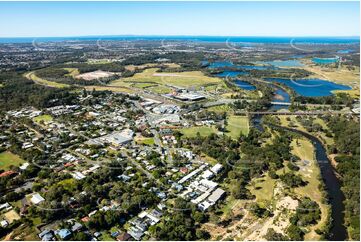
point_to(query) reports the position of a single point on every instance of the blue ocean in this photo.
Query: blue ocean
(234, 39)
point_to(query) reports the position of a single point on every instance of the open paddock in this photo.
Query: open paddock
(190, 80)
(7, 159)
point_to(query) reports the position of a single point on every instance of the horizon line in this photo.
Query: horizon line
(185, 35)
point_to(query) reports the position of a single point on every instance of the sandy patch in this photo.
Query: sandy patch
(11, 216)
(279, 222)
(94, 75)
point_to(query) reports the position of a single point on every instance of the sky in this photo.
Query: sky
(60, 19)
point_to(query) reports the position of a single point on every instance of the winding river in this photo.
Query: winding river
(336, 197)
(333, 186)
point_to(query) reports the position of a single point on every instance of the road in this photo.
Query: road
(139, 167)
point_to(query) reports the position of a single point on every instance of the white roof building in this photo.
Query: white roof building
(24, 166)
(4, 223)
(204, 205)
(216, 168)
(207, 174)
(208, 183)
(200, 198)
(78, 175)
(36, 198)
(216, 195)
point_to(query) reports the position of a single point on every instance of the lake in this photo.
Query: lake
(231, 73)
(324, 61)
(282, 63)
(344, 51)
(220, 64)
(224, 64)
(241, 84)
(311, 87)
(244, 85)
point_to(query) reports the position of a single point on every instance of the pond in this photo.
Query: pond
(311, 87)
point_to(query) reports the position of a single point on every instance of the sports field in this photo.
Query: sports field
(7, 159)
(44, 118)
(202, 130)
(144, 141)
(237, 125)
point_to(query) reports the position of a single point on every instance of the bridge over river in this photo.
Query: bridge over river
(229, 101)
(301, 113)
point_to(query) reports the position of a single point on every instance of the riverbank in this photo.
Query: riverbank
(332, 183)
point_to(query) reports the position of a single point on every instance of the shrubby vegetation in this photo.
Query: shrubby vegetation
(347, 146)
(338, 99)
(292, 180)
(183, 223)
(272, 235)
(17, 92)
(307, 213)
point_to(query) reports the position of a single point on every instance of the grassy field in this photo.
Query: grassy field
(208, 159)
(7, 159)
(190, 79)
(117, 88)
(160, 89)
(262, 188)
(109, 88)
(303, 148)
(236, 125)
(144, 85)
(354, 93)
(220, 109)
(73, 72)
(340, 75)
(203, 131)
(40, 81)
(44, 118)
(141, 67)
(144, 141)
(134, 67)
(292, 122)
